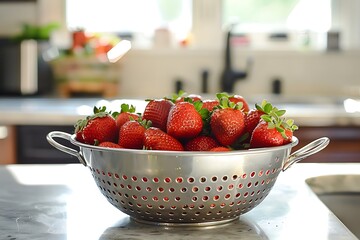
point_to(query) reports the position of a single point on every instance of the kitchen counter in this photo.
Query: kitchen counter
(62, 202)
(53, 111)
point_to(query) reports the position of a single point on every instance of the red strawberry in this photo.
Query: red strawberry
(97, 128)
(210, 104)
(272, 131)
(227, 123)
(109, 145)
(157, 112)
(184, 120)
(131, 134)
(201, 143)
(156, 139)
(237, 99)
(79, 132)
(127, 113)
(220, 149)
(289, 135)
(252, 119)
(193, 97)
(265, 136)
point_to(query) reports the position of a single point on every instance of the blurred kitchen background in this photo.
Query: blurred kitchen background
(298, 51)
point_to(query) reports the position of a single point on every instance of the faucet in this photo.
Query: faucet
(229, 75)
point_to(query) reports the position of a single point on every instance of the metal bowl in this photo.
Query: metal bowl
(189, 188)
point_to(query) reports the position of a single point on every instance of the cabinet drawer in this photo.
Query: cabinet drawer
(34, 148)
(7, 145)
(344, 143)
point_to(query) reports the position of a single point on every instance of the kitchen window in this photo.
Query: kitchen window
(205, 19)
(136, 16)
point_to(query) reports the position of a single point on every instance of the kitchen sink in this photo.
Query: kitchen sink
(341, 194)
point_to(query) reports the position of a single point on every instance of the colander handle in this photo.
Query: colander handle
(310, 149)
(57, 134)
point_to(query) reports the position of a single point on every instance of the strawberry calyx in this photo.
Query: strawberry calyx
(124, 108)
(224, 102)
(273, 116)
(98, 113)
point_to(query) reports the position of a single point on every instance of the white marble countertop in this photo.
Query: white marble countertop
(53, 111)
(62, 202)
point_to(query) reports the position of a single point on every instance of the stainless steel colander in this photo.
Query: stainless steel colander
(190, 188)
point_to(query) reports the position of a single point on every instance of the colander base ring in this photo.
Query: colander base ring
(186, 224)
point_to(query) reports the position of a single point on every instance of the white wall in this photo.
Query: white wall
(152, 74)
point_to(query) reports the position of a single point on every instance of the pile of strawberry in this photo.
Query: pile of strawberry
(188, 123)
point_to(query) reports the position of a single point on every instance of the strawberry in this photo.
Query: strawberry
(210, 104)
(201, 143)
(227, 122)
(157, 112)
(237, 98)
(127, 113)
(253, 117)
(131, 134)
(79, 132)
(220, 149)
(97, 128)
(272, 131)
(192, 97)
(182, 96)
(156, 139)
(184, 120)
(109, 145)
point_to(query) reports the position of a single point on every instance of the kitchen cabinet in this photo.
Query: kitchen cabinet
(7, 144)
(35, 148)
(344, 143)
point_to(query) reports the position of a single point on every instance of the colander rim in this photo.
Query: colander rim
(293, 143)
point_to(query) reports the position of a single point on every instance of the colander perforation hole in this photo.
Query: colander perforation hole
(171, 189)
(160, 189)
(167, 180)
(203, 179)
(252, 174)
(244, 176)
(191, 180)
(195, 189)
(134, 178)
(216, 197)
(183, 190)
(214, 179)
(207, 189)
(249, 184)
(205, 198)
(225, 178)
(179, 180)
